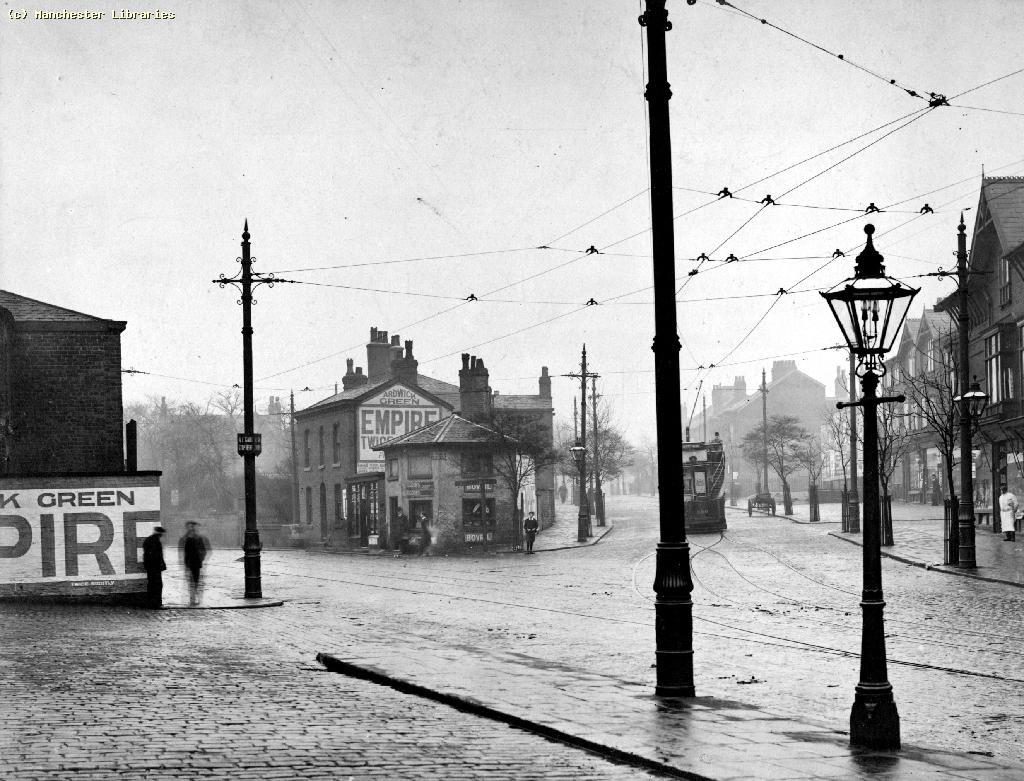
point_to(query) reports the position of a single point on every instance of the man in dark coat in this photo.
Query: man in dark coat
(193, 549)
(153, 563)
(530, 526)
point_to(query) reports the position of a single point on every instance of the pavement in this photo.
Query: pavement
(918, 540)
(698, 738)
(216, 695)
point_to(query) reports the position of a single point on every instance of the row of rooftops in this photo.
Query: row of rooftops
(388, 363)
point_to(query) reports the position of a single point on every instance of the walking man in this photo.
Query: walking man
(530, 526)
(192, 550)
(153, 563)
(1007, 513)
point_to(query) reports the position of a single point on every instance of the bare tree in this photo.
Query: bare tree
(895, 442)
(930, 393)
(837, 440)
(520, 448)
(785, 439)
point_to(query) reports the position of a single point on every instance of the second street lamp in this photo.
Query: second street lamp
(870, 309)
(579, 455)
(970, 405)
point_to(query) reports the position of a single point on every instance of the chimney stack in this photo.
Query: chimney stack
(545, 383)
(405, 368)
(378, 356)
(474, 391)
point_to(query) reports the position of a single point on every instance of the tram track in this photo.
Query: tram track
(745, 634)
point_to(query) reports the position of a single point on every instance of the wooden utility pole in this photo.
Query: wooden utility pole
(583, 529)
(295, 465)
(598, 495)
(853, 521)
(764, 428)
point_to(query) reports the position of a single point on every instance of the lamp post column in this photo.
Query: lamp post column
(251, 545)
(965, 515)
(672, 580)
(874, 720)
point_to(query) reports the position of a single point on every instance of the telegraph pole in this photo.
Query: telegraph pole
(295, 466)
(853, 521)
(965, 516)
(598, 496)
(583, 520)
(764, 428)
(673, 584)
(249, 444)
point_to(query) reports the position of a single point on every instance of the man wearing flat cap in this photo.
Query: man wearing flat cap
(153, 562)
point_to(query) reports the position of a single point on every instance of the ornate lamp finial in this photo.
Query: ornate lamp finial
(245, 231)
(869, 261)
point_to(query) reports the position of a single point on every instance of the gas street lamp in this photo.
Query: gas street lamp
(870, 309)
(970, 405)
(579, 455)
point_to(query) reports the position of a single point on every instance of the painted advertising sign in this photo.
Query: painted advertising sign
(391, 413)
(75, 537)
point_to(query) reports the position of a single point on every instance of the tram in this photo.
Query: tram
(703, 478)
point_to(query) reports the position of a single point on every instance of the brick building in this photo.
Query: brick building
(996, 337)
(60, 389)
(734, 413)
(342, 471)
(73, 519)
(444, 478)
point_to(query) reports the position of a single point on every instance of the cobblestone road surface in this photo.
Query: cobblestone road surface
(104, 693)
(777, 625)
(777, 620)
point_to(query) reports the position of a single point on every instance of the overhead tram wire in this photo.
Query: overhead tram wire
(933, 97)
(913, 115)
(913, 118)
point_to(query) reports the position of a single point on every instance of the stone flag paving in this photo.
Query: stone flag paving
(918, 539)
(698, 738)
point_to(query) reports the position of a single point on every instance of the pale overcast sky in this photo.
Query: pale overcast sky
(352, 135)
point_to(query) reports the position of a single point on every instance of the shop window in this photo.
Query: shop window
(392, 469)
(477, 464)
(321, 446)
(419, 466)
(477, 513)
(336, 443)
(305, 447)
(339, 504)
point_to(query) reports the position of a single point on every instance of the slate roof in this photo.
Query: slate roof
(26, 309)
(443, 390)
(451, 430)
(1004, 197)
(512, 401)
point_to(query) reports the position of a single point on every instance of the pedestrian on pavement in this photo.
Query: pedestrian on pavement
(1007, 513)
(562, 492)
(936, 491)
(193, 548)
(153, 563)
(530, 526)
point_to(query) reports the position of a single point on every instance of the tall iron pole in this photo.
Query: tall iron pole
(764, 427)
(853, 521)
(583, 520)
(672, 580)
(249, 440)
(295, 466)
(251, 544)
(598, 496)
(965, 516)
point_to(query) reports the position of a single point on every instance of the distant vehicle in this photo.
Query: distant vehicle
(703, 477)
(763, 501)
